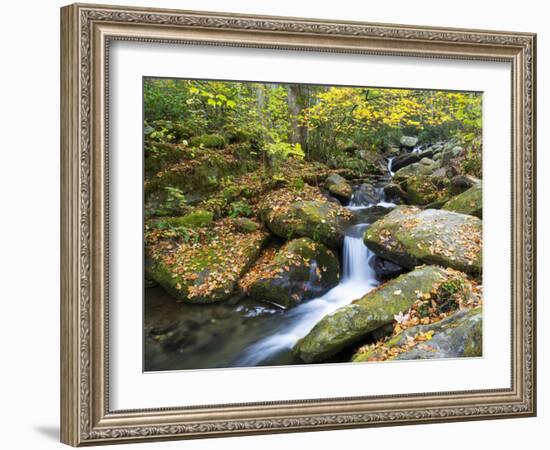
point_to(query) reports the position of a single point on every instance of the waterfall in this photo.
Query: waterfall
(357, 279)
(389, 166)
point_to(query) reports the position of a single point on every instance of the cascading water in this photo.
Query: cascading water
(357, 279)
(389, 166)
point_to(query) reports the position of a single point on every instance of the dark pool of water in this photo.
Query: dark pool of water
(181, 336)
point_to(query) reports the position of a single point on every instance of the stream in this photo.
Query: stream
(243, 333)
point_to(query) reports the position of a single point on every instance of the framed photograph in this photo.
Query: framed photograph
(276, 224)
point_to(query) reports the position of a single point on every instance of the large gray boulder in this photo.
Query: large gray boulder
(409, 236)
(376, 309)
(458, 335)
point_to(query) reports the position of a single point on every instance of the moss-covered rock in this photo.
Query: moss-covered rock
(301, 269)
(408, 141)
(195, 219)
(338, 186)
(197, 173)
(319, 220)
(425, 166)
(208, 141)
(208, 270)
(425, 189)
(409, 236)
(353, 322)
(458, 335)
(469, 202)
(245, 225)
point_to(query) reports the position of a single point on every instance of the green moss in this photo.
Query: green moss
(469, 202)
(408, 236)
(376, 309)
(424, 189)
(208, 141)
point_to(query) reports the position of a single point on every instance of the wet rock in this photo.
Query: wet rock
(299, 270)
(409, 236)
(469, 202)
(384, 269)
(366, 194)
(404, 160)
(376, 309)
(395, 192)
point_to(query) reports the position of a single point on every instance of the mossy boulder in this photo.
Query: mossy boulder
(425, 166)
(409, 236)
(319, 220)
(208, 141)
(301, 269)
(196, 174)
(469, 202)
(245, 225)
(408, 141)
(195, 219)
(458, 335)
(338, 186)
(355, 321)
(208, 270)
(425, 189)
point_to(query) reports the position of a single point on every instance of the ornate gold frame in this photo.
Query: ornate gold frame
(86, 31)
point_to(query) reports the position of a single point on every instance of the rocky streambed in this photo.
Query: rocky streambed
(346, 266)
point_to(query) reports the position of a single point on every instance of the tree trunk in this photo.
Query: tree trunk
(298, 100)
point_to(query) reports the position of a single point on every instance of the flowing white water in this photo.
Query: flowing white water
(357, 279)
(417, 149)
(389, 166)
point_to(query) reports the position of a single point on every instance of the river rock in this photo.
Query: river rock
(204, 272)
(384, 269)
(404, 160)
(338, 186)
(409, 236)
(458, 335)
(461, 183)
(447, 156)
(408, 141)
(469, 202)
(301, 269)
(366, 194)
(425, 189)
(394, 192)
(319, 220)
(425, 166)
(355, 321)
